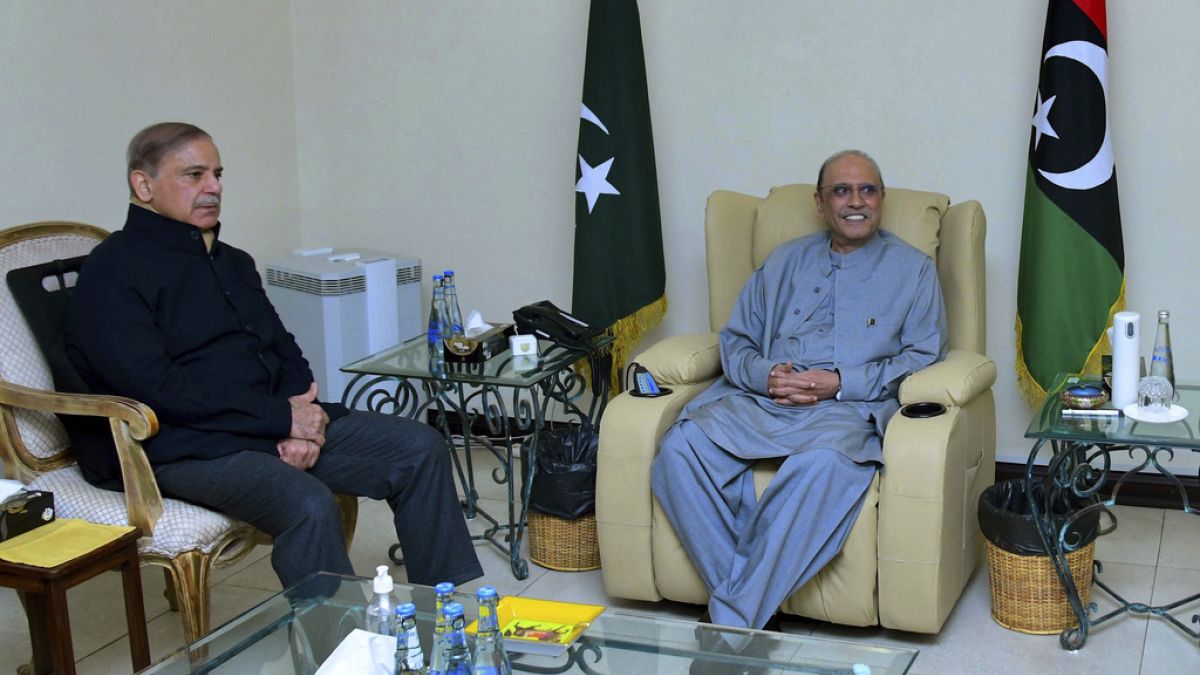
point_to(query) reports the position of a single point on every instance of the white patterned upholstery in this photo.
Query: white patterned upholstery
(182, 526)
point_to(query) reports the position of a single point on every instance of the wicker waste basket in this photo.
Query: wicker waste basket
(562, 501)
(1026, 593)
(564, 545)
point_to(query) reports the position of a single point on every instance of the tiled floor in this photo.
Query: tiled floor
(1153, 556)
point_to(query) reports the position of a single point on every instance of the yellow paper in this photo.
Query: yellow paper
(55, 543)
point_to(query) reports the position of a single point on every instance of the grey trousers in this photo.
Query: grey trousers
(366, 454)
(753, 553)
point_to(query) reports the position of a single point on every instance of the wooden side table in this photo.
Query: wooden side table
(43, 591)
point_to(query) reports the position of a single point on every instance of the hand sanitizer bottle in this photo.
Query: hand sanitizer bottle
(381, 610)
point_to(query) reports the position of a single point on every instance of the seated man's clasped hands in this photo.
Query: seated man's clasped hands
(788, 386)
(813, 356)
(301, 448)
(168, 313)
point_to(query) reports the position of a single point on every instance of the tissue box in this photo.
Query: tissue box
(479, 348)
(24, 511)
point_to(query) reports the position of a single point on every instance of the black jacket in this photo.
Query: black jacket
(156, 317)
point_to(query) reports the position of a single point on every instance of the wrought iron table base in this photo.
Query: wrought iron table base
(516, 420)
(1070, 472)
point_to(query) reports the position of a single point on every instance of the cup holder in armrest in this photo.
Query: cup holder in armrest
(923, 409)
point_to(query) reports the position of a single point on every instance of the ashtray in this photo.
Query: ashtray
(1083, 396)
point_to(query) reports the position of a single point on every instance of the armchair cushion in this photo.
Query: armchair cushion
(956, 380)
(789, 212)
(42, 432)
(43, 293)
(683, 359)
(181, 527)
(44, 306)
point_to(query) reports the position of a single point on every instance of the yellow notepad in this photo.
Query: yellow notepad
(55, 543)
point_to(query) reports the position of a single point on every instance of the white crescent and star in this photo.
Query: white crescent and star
(593, 180)
(1097, 170)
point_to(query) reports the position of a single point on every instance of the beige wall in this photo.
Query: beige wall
(446, 129)
(78, 79)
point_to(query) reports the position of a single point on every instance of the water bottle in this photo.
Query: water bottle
(381, 610)
(455, 653)
(453, 313)
(437, 655)
(437, 329)
(1161, 363)
(410, 660)
(490, 657)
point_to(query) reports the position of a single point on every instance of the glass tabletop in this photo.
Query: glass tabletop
(294, 631)
(1051, 424)
(411, 360)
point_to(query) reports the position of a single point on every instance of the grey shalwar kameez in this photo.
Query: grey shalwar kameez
(875, 315)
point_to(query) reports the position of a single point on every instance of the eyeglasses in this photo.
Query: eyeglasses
(866, 191)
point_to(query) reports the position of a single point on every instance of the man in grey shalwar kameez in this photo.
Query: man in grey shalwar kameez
(820, 339)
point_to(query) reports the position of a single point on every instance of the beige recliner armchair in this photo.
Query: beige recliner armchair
(916, 540)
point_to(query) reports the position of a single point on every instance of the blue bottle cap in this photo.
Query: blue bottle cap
(444, 588)
(452, 610)
(485, 593)
(449, 273)
(437, 277)
(406, 610)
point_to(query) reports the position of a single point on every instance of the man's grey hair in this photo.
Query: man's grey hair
(849, 153)
(150, 145)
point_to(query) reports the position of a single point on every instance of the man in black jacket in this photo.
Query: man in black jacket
(166, 313)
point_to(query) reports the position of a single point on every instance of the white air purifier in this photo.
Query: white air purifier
(343, 304)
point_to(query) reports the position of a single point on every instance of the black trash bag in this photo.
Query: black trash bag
(1006, 518)
(565, 482)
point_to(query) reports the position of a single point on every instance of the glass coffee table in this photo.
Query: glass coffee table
(286, 634)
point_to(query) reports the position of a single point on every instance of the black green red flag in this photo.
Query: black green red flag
(1072, 274)
(620, 278)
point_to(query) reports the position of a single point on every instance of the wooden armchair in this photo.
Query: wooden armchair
(188, 541)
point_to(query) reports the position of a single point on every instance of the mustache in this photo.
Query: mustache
(208, 200)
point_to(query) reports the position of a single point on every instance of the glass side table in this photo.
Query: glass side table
(1079, 466)
(511, 398)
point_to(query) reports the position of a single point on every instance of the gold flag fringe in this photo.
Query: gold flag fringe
(628, 332)
(1031, 391)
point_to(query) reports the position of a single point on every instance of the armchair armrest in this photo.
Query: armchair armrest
(934, 470)
(142, 421)
(130, 423)
(954, 381)
(684, 359)
(629, 436)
